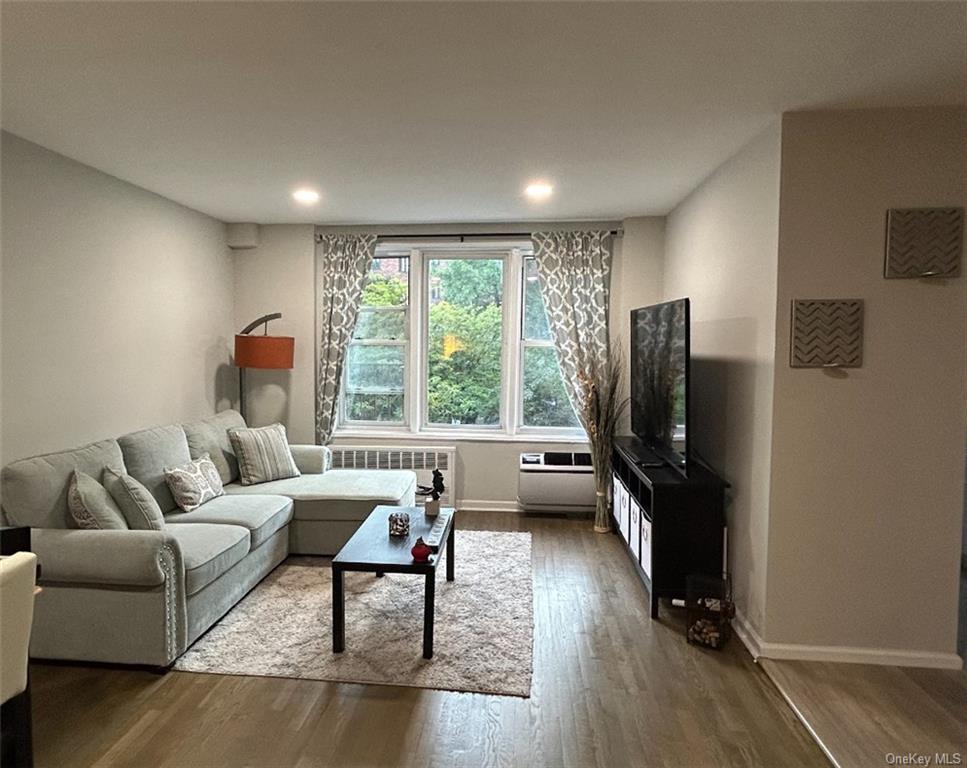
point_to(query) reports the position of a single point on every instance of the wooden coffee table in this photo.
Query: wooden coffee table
(372, 550)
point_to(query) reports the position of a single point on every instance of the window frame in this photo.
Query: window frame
(504, 418)
(416, 412)
(342, 417)
(525, 344)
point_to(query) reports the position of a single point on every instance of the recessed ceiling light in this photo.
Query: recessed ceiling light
(306, 196)
(539, 190)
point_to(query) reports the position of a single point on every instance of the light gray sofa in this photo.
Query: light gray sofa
(143, 597)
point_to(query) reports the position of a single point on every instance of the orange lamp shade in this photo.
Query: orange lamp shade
(264, 351)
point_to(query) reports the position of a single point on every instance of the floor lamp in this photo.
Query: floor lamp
(274, 352)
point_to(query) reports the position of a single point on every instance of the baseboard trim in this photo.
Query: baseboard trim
(487, 505)
(747, 634)
(851, 655)
(761, 649)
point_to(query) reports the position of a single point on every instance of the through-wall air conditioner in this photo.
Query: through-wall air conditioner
(556, 482)
(421, 460)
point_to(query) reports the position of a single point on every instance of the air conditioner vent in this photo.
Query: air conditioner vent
(556, 482)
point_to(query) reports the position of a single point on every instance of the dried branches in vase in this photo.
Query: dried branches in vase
(600, 412)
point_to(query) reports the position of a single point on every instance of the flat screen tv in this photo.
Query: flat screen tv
(659, 380)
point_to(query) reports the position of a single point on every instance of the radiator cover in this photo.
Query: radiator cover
(422, 460)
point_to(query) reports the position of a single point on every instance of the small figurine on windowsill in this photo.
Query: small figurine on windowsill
(432, 494)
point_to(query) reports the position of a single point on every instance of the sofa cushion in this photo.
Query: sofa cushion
(148, 452)
(261, 515)
(139, 507)
(211, 436)
(208, 551)
(35, 489)
(339, 494)
(91, 505)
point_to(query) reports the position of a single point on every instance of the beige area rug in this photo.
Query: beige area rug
(483, 635)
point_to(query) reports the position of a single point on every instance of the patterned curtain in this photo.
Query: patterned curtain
(574, 269)
(342, 263)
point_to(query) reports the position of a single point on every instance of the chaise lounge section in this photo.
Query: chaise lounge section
(329, 504)
(143, 597)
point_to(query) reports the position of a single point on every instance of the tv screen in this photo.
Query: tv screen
(659, 379)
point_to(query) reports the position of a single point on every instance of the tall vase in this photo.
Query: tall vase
(602, 507)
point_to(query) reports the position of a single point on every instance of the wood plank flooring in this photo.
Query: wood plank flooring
(611, 688)
(860, 713)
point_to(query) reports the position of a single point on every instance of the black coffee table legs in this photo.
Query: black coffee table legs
(338, 612)
(339, 609)
(429, 596)
(449, 553)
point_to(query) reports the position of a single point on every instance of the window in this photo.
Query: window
(374, 388)
(471, 351)
(464, 341)
(544, 400)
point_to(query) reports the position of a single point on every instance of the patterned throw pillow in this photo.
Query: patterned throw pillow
(194, 483)
(139, 507)
(263, 454)
(91, 505)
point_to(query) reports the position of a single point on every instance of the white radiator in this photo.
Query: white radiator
(421, 460)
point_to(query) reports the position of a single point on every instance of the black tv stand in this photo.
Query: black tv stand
(672, 526)
(643, 456)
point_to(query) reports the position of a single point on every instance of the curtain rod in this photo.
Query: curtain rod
(464, 235)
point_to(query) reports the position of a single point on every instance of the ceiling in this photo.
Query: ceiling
(440, 112)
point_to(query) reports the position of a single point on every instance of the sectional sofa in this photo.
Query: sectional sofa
(143, 597)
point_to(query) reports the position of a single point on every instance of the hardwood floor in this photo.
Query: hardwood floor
(611, 688)
(860, 713)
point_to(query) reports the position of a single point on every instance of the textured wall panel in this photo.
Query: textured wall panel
(827, 333)
(924, 242)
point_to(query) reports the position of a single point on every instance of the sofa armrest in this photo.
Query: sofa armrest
(312, 459)
(116, 558)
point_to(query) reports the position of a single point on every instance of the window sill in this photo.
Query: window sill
(444, 436)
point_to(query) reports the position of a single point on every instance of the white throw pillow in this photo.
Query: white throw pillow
(194, 483)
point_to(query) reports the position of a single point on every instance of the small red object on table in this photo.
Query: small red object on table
(421, 551)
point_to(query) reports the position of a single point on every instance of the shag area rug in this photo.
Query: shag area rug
(483, 633)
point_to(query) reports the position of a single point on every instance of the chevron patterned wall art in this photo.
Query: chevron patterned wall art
(924, 242)
(827, 333)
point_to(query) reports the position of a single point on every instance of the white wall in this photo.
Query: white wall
(635, 282)
(278, 276)
(720, 251)
(1, 307)
(867, 465)
(117, 305)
